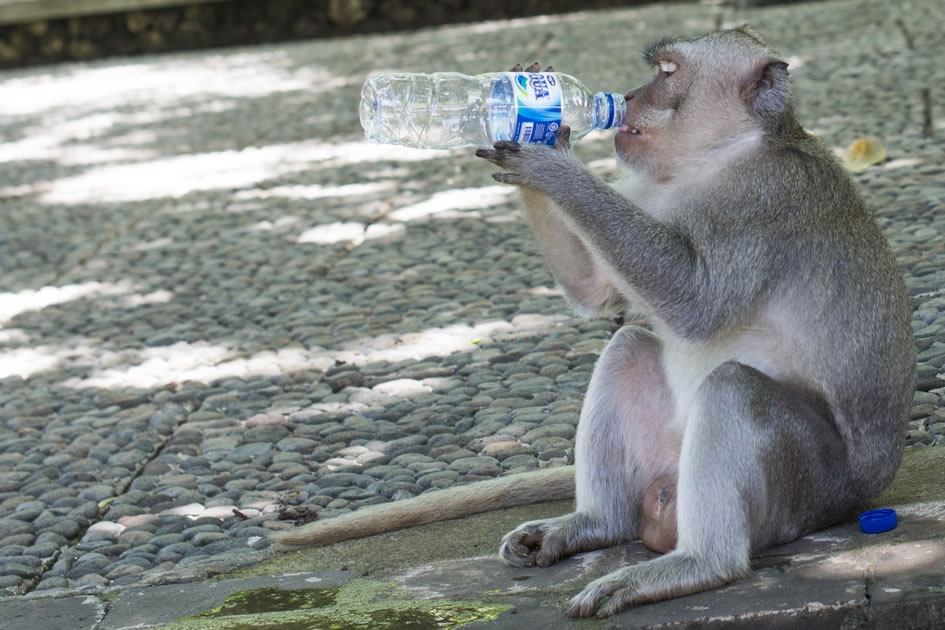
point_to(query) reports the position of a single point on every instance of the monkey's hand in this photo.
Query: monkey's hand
(534, 166)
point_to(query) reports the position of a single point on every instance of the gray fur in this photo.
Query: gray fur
(784, 363)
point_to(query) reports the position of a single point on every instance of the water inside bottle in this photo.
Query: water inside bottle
(501, 105)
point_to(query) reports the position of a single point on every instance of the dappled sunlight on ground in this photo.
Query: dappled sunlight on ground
(450, 200)
(315, 191)
(206, 362)
(178, 175)
(174, 176)
(334, 233)
(906, 558)
(12, 304)
(165, 81)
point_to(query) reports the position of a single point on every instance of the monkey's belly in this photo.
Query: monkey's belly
(658, 530)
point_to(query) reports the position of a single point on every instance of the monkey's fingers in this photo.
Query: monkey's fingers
(563, 140)
(502, 147)
(535, 67)
(507, 145)
(508, 178)
(500, 154)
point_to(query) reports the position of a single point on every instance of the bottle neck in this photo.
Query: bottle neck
(610, 110)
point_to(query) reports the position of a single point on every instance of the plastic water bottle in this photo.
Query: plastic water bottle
(447, 110)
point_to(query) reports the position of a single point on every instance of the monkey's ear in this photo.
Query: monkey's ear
(766, 91)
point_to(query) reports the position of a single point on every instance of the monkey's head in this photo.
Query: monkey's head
(723, 89)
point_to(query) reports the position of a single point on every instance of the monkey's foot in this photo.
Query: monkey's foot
(542, 543)
(673, 575)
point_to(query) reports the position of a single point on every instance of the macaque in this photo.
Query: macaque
(769, 397)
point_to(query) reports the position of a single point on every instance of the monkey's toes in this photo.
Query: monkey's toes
(520, 548)
(619, 601)
(584, 604)
(522, 561)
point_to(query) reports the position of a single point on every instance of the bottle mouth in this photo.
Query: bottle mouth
(620, 110)
(610, 110)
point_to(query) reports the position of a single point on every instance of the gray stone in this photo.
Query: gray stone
(90, 579)
(98, 492)
(477, 465)
(164, 540)
(44, 550)
(549, 430)
(253, 449)
(10, 581)
(520, 461)
(65, 527)
(206, 537)
(51, 582)
(133, 537)
(19, 570)
(296, 444)
(190, 532)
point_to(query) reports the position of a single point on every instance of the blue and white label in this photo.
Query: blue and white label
(538, 107)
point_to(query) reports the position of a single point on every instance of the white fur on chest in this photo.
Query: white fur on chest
(655, 199)
(688, 364)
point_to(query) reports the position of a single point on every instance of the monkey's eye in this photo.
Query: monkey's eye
(667, 67)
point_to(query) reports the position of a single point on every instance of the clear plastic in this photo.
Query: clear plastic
(448, 110)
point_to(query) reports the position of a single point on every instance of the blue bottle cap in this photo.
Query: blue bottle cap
(877, 521)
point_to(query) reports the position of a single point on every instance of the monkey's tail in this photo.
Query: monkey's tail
(548, 484)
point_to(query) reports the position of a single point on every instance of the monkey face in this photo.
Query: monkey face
(709, 93)
(651, 110)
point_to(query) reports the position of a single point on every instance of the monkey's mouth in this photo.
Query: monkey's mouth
(630, 129)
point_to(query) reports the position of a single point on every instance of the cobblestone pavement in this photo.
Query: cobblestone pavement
(222, 312)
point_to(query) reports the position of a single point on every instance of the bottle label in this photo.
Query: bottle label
(538, 104)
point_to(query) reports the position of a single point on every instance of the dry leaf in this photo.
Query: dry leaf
(863, 153)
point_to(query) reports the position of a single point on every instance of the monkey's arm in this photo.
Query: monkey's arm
(654, 260)
(584, 279)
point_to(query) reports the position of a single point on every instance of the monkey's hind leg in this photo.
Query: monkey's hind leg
(622, 446)
(759, 466)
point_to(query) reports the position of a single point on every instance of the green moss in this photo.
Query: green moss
(918, 479)
(109, 598)
(272, 599)
(360, 604)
